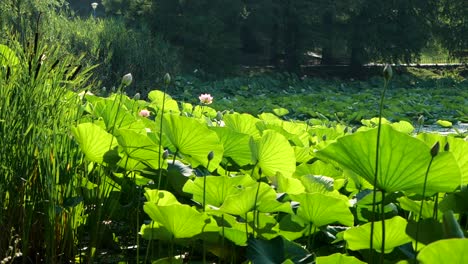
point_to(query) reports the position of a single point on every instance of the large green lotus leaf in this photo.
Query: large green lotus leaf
(193, 140)
(445, 251)
(157, 98)
(265, 224)
(457, 146)
(302, 154)
(139, 147)
(203, 110)
(414, 207)
(244, 201)
(395, 235)
(274, 154)
(154, 231)
(231, 229)
(116, 115)
(403, 161)
(97, 145)
(293, 138)
(338, 258)
(242, 123)
(160, 197)
(317, 168)
(321, 209)
(317, 183)
(235, 144)
(181, 220)
(290, 185)
(218, 188)
(130, 164)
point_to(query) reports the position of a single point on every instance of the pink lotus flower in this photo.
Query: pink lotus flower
(205, 98)
(144, 113)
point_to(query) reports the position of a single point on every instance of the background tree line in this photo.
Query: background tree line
(217, 36)
(224, 33)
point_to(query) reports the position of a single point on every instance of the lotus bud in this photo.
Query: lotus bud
(165, 154)
(127, 79)
(219, 116)
(387, 72)
(144, 113)
(137, 96)
(210, 155)
(447, 147)
(435, 149)
(167, 79)
(104, 89)
(421, 120)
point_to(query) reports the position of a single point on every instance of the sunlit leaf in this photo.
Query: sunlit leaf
(156, 97)
(403, 161)
(180, 220)
(235, 144)
(193, 140)
(97, 145)
(218, 188)
(139, 147)
(338, 258)
(242, 123)
(274, 154)
(395, 235)
(321, 209)
(457, 146)
(244, 201)
(445, 251)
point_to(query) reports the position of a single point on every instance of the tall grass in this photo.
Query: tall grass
(38, 156)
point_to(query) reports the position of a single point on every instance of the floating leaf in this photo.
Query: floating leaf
(395, 235)
(444, 123)
(281, 111)
(403, 161)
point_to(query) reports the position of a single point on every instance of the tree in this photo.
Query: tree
(452, 27)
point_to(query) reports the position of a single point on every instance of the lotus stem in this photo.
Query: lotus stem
(166, 84)
(387, 76)
(434, 152)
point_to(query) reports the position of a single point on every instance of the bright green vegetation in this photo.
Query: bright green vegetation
(279, 168)
(92, 178)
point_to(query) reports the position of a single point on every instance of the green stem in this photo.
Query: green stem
(204, 186)
(436, 207)
(422, 203)
(377, 158)
(160, 136)
(382, 212)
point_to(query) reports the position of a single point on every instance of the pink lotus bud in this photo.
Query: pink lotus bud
(144, 113)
